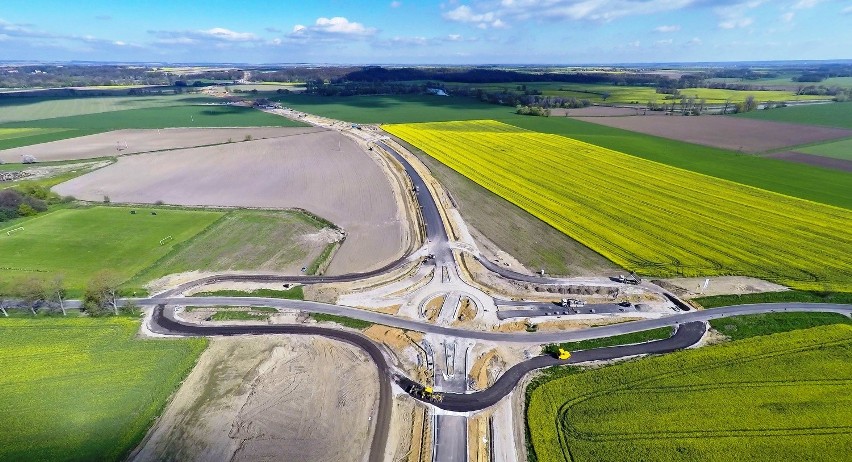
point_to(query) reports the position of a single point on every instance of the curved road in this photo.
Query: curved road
(512, 337)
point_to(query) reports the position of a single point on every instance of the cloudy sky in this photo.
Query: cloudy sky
(424, 31)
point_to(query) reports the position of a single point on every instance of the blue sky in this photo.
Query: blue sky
(427, 32)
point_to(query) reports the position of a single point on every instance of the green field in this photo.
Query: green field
(166, 116)
(395, 109)
(82, 389)
(80, 242)
(642, 95)
(242, 240)
(830, 115)
(838, 149)
(646, 216)
(755, 325)
(624, 339)
(29, 109)
(781, 397)
(775, 297)
(806, 182)
(294, 293)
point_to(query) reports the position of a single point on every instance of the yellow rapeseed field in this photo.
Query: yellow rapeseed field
(645, 216)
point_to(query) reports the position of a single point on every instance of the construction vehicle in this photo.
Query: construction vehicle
(425, 393)
(564, 354)
(572, 303)
(632, 279)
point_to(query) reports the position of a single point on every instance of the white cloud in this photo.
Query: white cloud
(228, 35)
(664, 42)
(331, 28)
(695, 41)
(806, 4)
(847, 10)
(788, 16)
(485, 13)
(395, 4)
(666, 29)
(735, 15)
(215, 35)
(484, 20)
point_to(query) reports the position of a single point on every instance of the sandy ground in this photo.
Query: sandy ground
(246, 400)
(123, 142)
(39, 172)
(810, 159)
(722, 285)
(323, 172)
(724, 132)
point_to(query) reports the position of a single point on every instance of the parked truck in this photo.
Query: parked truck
(572, 303)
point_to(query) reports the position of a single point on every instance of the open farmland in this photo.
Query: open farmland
(724, 132)
(780, 397)
(186, 116)
(123, 142)
(30, 109)
(80, 389)
(260, 240)
(830, 115)
(322, 172)
(78, 243)
(395, 109)
(645, 216)
(797, 180)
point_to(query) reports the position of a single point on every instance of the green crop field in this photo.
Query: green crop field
(780, 397)
(236, 242)
(646, 216)
(42, 130)
(838, 149)
(82, 389)
(80, 242)
(395, 109)
(28, 109)
(830, 115)
(798, 180)
(642, 95)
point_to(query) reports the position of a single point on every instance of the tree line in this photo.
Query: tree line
(49, 295)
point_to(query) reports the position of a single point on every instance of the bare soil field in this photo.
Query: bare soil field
(596, 111)
(322, 172)
(270, 398)
(736, 134)
(123, 142)
(722, 285)
(810, 159)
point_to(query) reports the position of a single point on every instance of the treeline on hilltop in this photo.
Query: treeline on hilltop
(62, 76)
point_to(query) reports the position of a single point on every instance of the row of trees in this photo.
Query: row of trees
(37, 293)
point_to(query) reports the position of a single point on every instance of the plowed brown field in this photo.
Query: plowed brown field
(122, 142)
(732, 133)
(322, 172)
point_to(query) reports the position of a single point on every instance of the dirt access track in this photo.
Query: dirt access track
(294, 398)
(123, 142)
(724, 132)
(323, 172)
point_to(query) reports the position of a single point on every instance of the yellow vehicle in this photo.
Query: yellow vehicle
(564, 354)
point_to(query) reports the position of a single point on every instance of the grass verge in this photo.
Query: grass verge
(624, 339)
(342, 320)
(295, 293)
(803, 296)
(755, 325)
